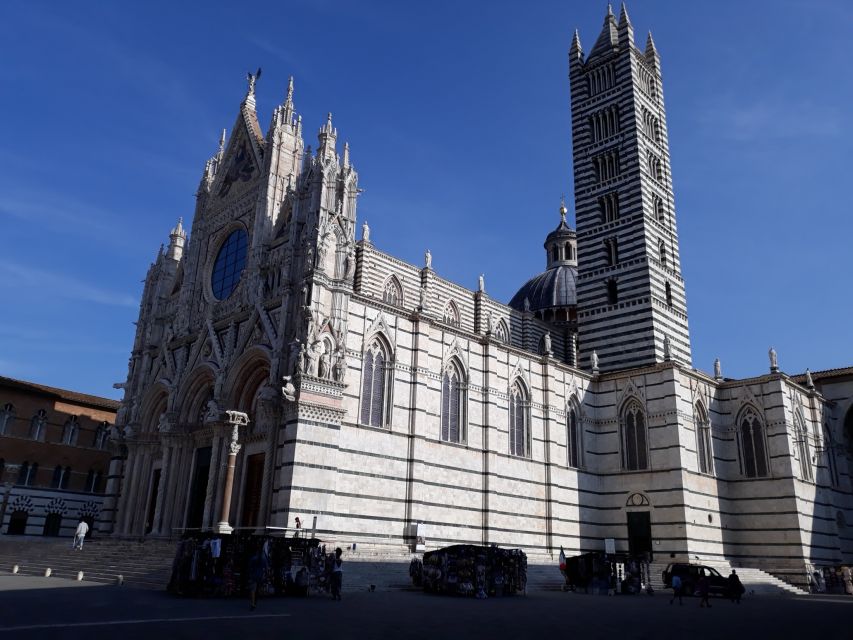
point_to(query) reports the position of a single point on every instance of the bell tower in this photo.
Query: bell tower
(631, 297)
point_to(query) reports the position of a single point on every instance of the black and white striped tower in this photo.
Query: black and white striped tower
(630, 290)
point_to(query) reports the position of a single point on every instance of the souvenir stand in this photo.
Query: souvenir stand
(212, 565)
(603, 573)
(470, 570)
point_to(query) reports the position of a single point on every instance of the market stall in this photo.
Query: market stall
(470, 570)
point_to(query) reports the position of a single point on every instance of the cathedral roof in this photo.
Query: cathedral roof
(555, 287)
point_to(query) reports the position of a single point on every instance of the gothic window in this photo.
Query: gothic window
(573, 436)
(662, 253)
(657, 205)
(101, 434)
(606, 166)
(604, 124)
(611, 248)
(802, 439)
(38, 425)
(653, 165)
(375, 383)
(27, 474)
(635, 456)
(704, 453)
(608, 206)
(519, 421)
(668, 291)
(70, 431)
(647, 82)
(601, 79)
(612, 292)
(7, 418)
(453, 404)
(393, 292)
(829, 448)
(451, 314)
(229, 264)
(502, 332)
(753, 451)
(650, 125)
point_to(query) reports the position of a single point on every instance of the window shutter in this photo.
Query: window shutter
(366, 387)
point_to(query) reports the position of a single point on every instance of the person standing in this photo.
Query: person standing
(704, 590)
(676, 589)
(337, 574)
(735, 587)
(257, 571)
(80, 535)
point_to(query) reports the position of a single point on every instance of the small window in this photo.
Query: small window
(451, 314)
(519, 421)
(70, 431)
(573, 438)
(393, 292)
(662, 253)
(668, 295)
(38, 425)
(555, 254)
(7, 418)
(611, 249)
(612, 293)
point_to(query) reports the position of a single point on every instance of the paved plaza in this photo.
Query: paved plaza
(45, 607)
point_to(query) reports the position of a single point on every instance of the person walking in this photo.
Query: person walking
(704, 590)
(337, 574)
(676, 589)
(80, 535)
(257, 571)
(735, 588)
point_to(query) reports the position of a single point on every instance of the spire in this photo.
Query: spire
(288, 102)
(576, 50)
(346, 154)
(563, 210)
(651, 50)
(608, 39)
(327, 136)
(623, 16)
(177, 237)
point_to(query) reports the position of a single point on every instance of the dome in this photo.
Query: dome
(555, 287)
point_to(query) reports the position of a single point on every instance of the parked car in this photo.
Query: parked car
(690, 574)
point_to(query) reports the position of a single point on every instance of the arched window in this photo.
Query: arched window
(753, 449)
(451, 314)
(611, 249)
(7, 418)
(668, 291)
(393, 292)
(70, 431)
(38, 425)
(829, 448)
(453, 404)
(635, 456)
(662, 253)
(704, 452)
(101, 434)
(519, 421)
(573, 436)
(27, 474)
(802, 439)
(57, 477)
(502, 332)
(375, 386)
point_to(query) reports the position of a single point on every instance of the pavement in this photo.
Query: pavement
(32, 607)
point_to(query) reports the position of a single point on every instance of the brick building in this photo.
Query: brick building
(53, 457)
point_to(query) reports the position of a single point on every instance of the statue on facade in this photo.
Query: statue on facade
(809, 380)
(252, 78)
(718, 370)
(164, 425)
(490, 323)
(427, 260)
(340, 366)
(213, 411)
(526, 303)
(481, 283)
(288, 390)
(365, 232)
(667, 348)
(774, 362)
(325, 366)
(422, 303)
(594, 360)
(349, 263)
(546, 343)
(314, 352)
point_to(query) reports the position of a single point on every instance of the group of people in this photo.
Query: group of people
(734, 589)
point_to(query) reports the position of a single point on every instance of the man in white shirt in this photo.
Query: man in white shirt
(80, 535)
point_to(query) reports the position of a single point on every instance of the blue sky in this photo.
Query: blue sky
(458, 119)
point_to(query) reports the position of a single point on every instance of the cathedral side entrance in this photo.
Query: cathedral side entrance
(198, 488)
(252, 490)
(639, 533)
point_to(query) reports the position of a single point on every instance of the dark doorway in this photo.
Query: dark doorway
(17, 523)
(52, 524)
(639, 533)
(198, 488)
(152, 501)
(90, 520)
(252, 490)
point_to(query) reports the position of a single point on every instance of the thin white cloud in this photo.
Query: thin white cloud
(16, 276)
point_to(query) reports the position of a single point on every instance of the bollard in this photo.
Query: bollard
(119, 580)
(79, 576)
(47, 572)
(15, 569)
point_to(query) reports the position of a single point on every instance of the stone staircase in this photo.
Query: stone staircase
(755, 581)
(145, 564)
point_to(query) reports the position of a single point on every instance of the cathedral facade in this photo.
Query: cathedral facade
(283, 368)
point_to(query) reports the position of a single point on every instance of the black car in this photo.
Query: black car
(690, 574)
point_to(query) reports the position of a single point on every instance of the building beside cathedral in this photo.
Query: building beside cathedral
(374, 395)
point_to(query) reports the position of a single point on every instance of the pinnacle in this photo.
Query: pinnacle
(650, 45)
(576, 42)
(623, 16)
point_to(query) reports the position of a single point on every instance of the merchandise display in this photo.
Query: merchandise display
(470, 570)
(602, 573)
(208, 564)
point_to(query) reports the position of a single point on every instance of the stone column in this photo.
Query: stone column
(235, 419)
(115, 474)
(162, 488)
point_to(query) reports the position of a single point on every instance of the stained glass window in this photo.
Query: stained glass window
(229, 264)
